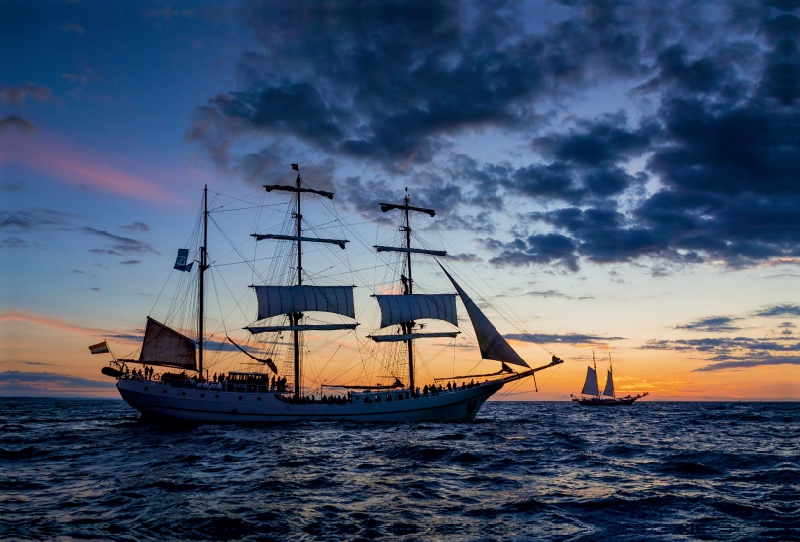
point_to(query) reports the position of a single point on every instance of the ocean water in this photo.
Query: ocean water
(94, 470)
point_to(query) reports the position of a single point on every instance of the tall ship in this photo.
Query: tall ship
(263, 371)
(591, 396)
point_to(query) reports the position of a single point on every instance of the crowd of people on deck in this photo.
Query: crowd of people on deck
(324, 400)
(145, 373)
(221, 381)
(433, 389)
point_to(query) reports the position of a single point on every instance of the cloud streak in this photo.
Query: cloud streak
(119, 244)
(50, 322)
(568, 338)
(69, 165)
(20, 383)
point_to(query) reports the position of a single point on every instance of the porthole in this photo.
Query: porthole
(146, 388)
(240, 397)
(183, 393)
(202, 395)
(165, 391)
(259, 398)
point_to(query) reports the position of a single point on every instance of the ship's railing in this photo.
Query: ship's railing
(253, 388)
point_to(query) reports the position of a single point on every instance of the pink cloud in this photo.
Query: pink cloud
(52, 323)
(44, 154)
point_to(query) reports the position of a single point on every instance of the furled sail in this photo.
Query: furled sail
(609, 391)
(396, 309)
(275, 300)
(590, 386)
(412, 336)
(166, 347)
(308, 327)
(492, 344)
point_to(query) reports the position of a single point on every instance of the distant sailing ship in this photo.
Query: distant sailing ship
(260, 396)
(609, 397)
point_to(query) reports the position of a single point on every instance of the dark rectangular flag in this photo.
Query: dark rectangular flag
(180, 262)
(99, 348)
(296, 168)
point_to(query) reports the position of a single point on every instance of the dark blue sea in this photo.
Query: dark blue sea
(94, 470)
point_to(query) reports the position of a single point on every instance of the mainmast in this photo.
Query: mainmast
(295, 319)
(201, 289)
(293, 300)
(408, 290)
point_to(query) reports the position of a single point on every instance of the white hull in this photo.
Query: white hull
(157, 399)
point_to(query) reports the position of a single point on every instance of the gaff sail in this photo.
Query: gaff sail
(590, 386)
(275, 300)
(492, 344)
(166, 347)
(609, 391)
(396, 309)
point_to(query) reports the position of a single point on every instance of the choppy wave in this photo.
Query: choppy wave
(92, 469)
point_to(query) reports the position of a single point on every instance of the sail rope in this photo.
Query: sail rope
(335, 257)
(234, 246)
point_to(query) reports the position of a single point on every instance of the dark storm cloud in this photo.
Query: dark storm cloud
(434, 192)
(675, 69)
(569, 338)
(782, 72)
(712, 113)
(390, 81)
(119, 244)
(585, 163)
(720, 324)
(546, 249)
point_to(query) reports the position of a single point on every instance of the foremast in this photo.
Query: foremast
(439, 302)
(201, 286)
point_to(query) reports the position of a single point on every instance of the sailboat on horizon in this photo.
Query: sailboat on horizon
(291, 304)
(590, 394)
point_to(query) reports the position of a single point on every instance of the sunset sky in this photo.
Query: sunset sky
(623, 177)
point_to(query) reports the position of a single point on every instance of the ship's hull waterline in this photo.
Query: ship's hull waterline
(155, 399)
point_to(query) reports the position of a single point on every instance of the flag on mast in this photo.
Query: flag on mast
(181, 261)
(99, 348)
(296, 168)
